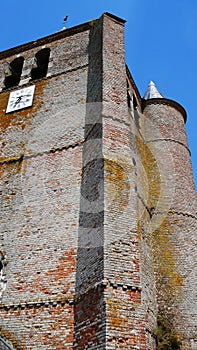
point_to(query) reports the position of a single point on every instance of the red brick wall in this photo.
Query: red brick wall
(98, 214)
(40, 173)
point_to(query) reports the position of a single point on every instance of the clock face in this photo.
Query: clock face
(20, 99)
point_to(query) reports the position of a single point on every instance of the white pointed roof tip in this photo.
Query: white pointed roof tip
(152, 92)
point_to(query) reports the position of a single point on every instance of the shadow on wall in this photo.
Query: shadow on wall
(89, 308)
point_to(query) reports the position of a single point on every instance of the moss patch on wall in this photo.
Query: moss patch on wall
(163, 253)
(119, 186)
(166, 337)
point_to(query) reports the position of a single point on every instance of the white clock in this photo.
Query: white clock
(20, 99)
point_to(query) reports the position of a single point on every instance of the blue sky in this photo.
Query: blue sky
(160, 36)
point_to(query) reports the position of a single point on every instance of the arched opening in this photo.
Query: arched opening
(13, 74)
(42, 61)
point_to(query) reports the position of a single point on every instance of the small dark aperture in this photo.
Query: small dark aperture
(42, 61)
(15, 68)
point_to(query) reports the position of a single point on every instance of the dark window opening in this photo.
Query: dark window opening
(3, 281)
(128, 99)
(128, 96)
(136, 113)
(42, 61)
(13, 74)
(134, 102)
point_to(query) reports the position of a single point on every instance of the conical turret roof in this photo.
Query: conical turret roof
(152, 92)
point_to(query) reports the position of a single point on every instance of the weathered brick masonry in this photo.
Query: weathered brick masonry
(98, 204)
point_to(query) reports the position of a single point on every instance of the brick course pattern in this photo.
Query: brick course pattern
(98, 204)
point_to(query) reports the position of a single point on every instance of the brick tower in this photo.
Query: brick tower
(98, 214)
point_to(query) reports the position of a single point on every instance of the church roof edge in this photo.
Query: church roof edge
(56, 36)
(47, 39)
(133, 83)
(118, 19)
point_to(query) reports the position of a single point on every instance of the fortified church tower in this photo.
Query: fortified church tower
(98, 204)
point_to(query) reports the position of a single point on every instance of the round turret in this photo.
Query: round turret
(171, 183)
(168, 119)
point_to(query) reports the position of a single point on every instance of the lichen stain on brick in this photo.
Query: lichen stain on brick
(117, 318)
(165, 258)
(114, 309)
(4, 118)
(149, 162)
(2, 169)
(19, 166)
(168, 280)
(119, 186)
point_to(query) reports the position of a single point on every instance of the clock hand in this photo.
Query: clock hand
(18, 100)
